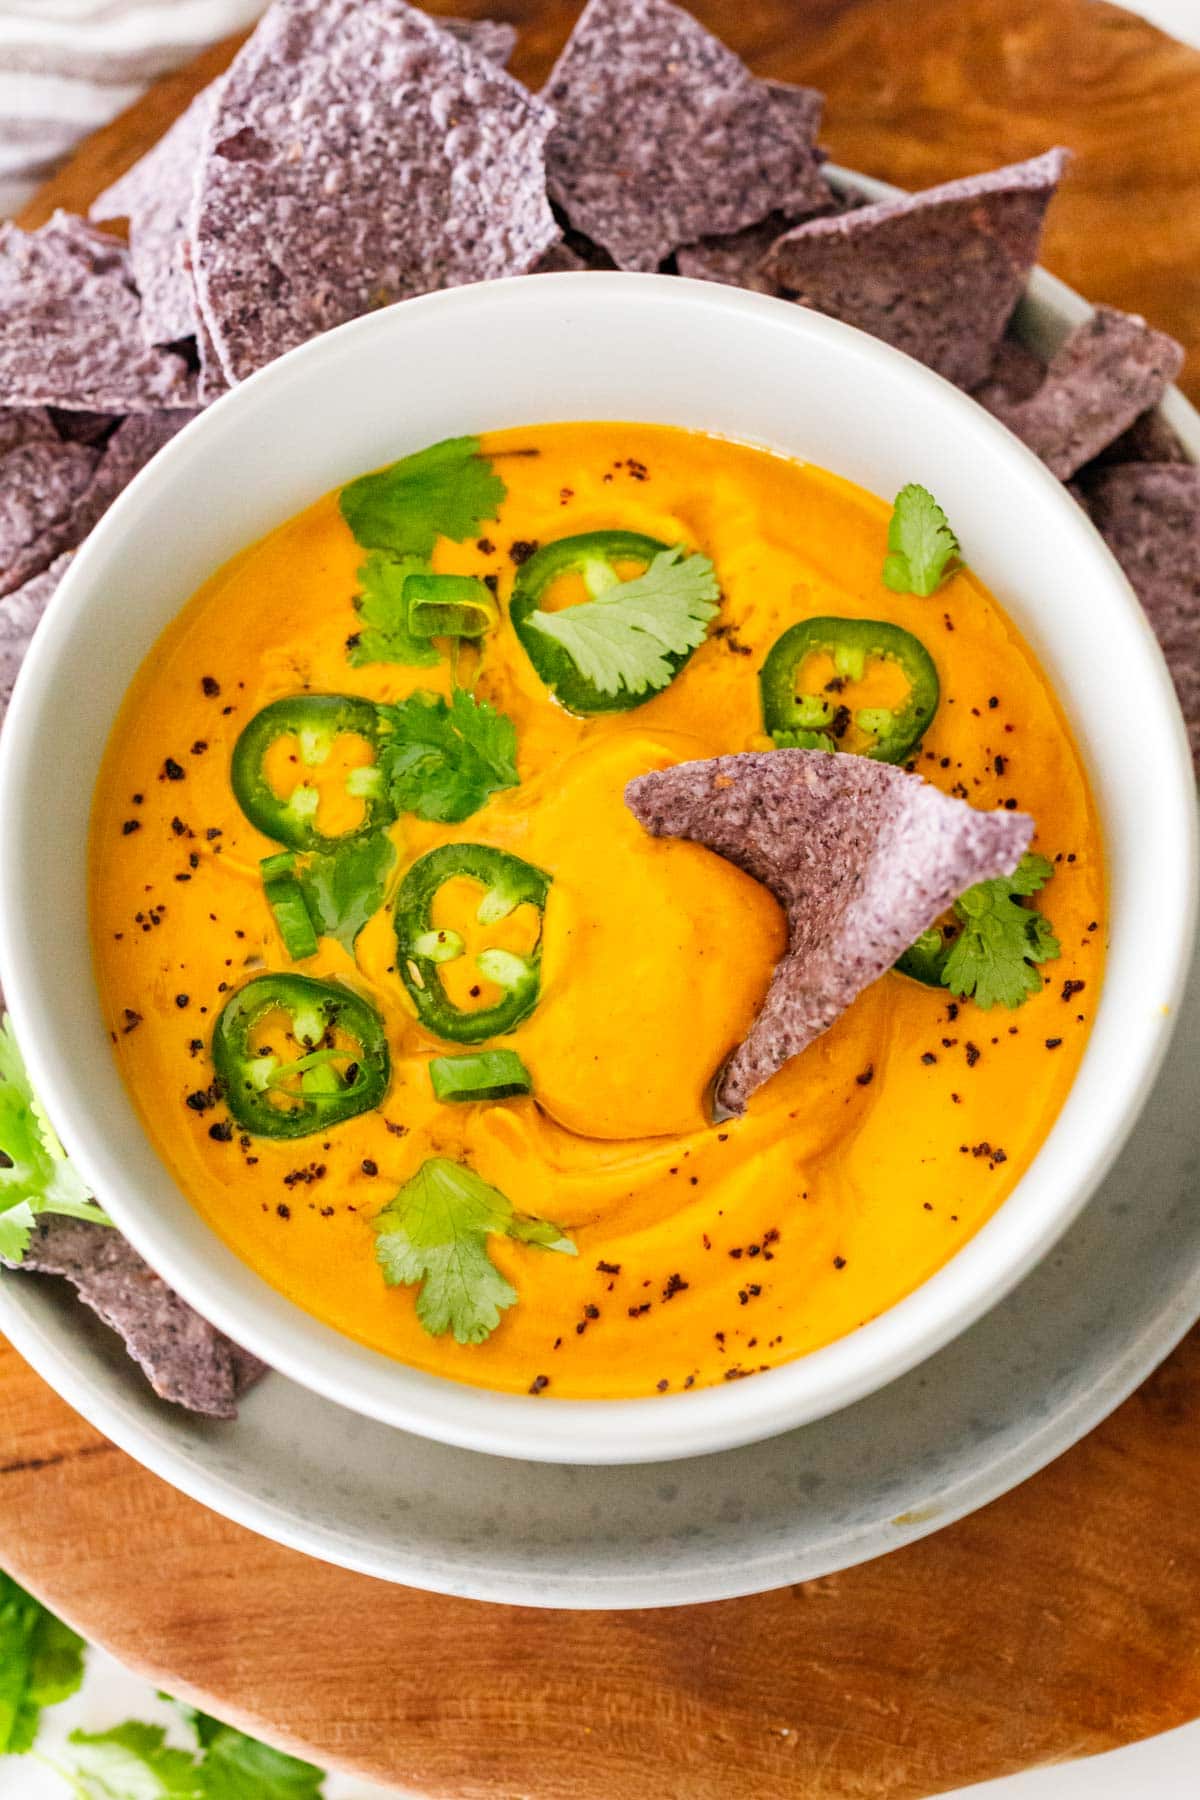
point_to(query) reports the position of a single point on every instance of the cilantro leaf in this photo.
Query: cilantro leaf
(435, 1231)
(993, 960)
(130, 1762)
(36, 1175)
(442, 761)
(623, 638)
(344, 888)
(920, 543)
(444, 491)
(237, 1767)
(41, 1663)
(384, 636)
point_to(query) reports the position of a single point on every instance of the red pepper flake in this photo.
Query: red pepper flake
(539, 1384)
(607, 1268)
(132, 1020)
(1000, 763)
(199, 747)
(591, 1312)
(994, 701)
(635, 1312)
(521, 549)
(171, 770)
(211, 686)
(973, 1054)
(1071, 988)
(369, 1166)
(839, 1262)
(285, 1212)
(1053, 1043)
(181, 1001)
(675, 1285)
(221, 1132)
(867, 1076)
(485, 546)
(662, 1386)
(927, 1057)
(130, 826)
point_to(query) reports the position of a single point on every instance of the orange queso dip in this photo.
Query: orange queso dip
(541, 1202)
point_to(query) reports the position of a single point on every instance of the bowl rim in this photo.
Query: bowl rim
(549, 1428)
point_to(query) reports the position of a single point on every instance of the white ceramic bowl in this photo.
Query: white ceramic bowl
(576, 347)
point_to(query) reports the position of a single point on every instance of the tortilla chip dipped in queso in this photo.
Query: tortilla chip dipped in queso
(597, 909)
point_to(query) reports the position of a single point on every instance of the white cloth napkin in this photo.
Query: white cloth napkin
(68, 66)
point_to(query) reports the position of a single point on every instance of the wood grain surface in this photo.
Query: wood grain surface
(1061, 1620)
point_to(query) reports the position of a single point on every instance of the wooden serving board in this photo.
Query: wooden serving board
(1059, 1621)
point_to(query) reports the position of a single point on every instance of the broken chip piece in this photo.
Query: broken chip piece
(301, 224)
(185, 1359)
(664, 136)
(936, 274)
(862, 857)
(1149, 516)
(1106, 374)
(41, 480)
(155, 195)
(70, 325)
(20, 614)
(71, 491)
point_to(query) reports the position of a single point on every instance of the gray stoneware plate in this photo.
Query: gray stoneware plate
(1045, 1366)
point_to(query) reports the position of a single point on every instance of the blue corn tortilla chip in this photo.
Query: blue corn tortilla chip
(70, 325)
(358, 155)
(155, 195)
(664, 137)
(79, 497)
(861, 856)
(20, 616)
(1016, 374)
(734, 260)
(1107, 373)
(186, 1360)
(1150, 439)
(559, 259)
(42, 478)
(936, 274)
(1149, 516)
(737, 260)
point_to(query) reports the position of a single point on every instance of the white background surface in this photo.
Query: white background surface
(1165, 1768)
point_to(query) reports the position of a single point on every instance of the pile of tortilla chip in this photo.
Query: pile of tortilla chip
(359, 152)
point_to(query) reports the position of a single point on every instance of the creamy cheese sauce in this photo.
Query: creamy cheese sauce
(705, 1252)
